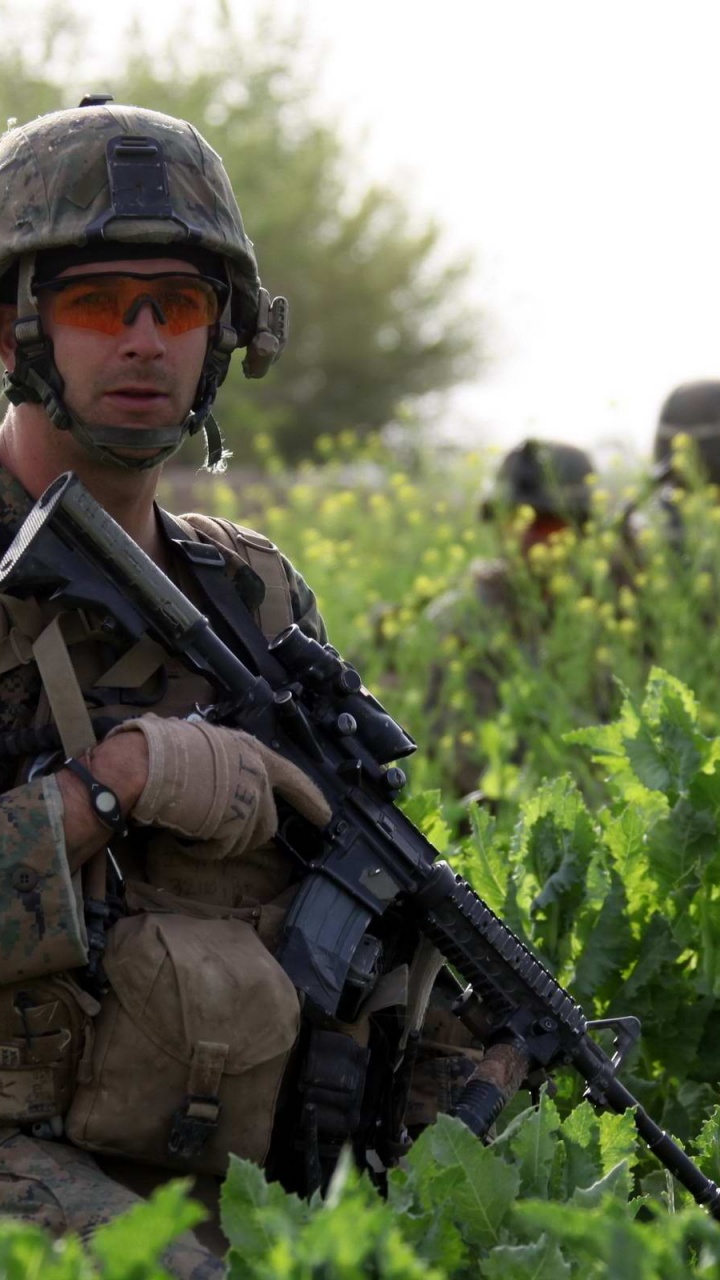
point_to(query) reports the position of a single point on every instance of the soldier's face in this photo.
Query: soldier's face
(142, 375)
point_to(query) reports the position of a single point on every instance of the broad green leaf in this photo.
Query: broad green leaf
(253, 1211)
(646, 760)
(580, 1136)
(28, 1253)
(676, 847)
(657, 951)
(608, 949)
(532, 1145)
(425, 809)
(618, 1139)
(449, 1163)
(487, 859)
(540, 1261)
(707, 1144)
(139, 1237)
(616, 1181)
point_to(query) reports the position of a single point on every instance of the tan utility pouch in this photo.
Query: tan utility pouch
(190, 1045)
(44, 1029)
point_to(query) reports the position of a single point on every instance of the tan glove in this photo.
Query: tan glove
(216, 784)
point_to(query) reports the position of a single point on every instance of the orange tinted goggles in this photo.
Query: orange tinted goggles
(109, 300)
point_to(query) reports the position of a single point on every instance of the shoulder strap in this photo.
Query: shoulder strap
(275, 611)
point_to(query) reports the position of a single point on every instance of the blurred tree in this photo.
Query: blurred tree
(377, 315)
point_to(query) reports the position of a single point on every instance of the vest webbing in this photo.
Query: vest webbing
(274, 612)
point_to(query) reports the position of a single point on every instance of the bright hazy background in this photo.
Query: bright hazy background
(570, 146)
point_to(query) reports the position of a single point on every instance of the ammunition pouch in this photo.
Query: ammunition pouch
(332, 1082)
(191, 1043)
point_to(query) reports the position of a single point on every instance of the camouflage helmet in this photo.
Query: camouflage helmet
(102, 175)
(543, 474)
(692, 408)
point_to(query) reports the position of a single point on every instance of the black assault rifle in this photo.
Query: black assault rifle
(370, 863)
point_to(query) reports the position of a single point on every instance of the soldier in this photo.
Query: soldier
(150, 1031)
(127, 281)
(485, 611)
(693, 409)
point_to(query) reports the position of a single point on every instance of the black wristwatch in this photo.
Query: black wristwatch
(104, 802)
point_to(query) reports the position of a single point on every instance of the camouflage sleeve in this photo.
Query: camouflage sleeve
(41, 926)
(304, 605)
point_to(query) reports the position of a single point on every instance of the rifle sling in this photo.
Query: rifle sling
(229, 613)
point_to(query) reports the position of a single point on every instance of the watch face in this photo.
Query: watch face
(106, 803)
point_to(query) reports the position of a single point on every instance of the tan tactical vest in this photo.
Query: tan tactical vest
(184, 1060)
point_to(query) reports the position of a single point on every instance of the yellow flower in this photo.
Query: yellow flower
(467, 738)
(522, 519)
(586, 605)
(325, 445)
(628, 599)
(539, 556)
(681, 443)
(561, 584)
(390, 627)
(703, 584)
(304, 495)
(627, 627)
(603, 656)
(426, 586)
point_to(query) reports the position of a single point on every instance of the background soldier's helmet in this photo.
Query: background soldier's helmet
(105, 180)
(693, 409)
(550, 477)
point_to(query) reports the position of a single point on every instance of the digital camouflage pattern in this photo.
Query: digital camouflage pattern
(54, 187)
(41, 932)
(55, 1186)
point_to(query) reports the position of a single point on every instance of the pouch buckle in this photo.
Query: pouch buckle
(193, 1125)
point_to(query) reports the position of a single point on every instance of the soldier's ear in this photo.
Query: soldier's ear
(8, 316)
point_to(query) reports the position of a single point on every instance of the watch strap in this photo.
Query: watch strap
(103, 801)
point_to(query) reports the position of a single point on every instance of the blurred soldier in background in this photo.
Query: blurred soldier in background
(690, 412)
(693, 409)
(490, 611)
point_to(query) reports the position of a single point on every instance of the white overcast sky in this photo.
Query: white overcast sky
(573, 146)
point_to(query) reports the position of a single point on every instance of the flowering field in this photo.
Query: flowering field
(569, 766)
